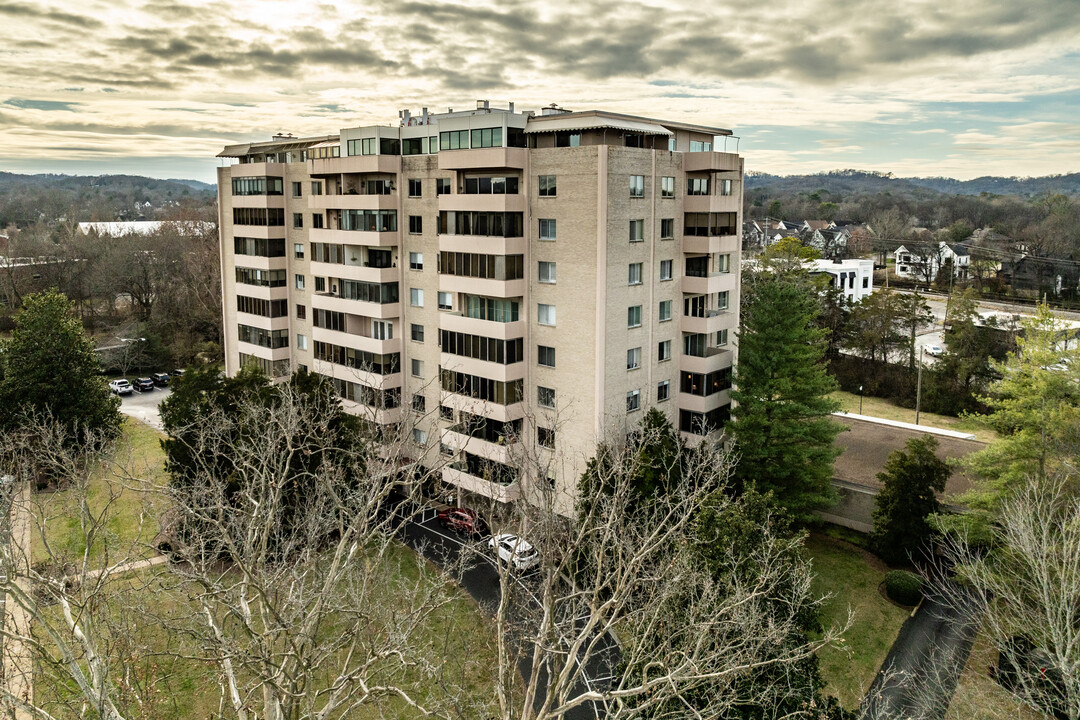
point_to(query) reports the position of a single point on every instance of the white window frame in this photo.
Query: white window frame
(548, 229)
(541, 266)
(630, 316)
(416, 297)
(634, 273)
(669, 266)
(633, 358)
(545, 314)
(633, 400)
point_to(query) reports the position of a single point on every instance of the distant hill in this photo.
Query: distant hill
(846, 182)
(27, 199)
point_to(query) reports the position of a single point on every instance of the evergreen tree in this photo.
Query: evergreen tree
(781, 425)
(49, 366)
(911, 479)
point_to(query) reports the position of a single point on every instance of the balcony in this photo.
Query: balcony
(489, 244)
(381, 416)
(352, 201)
(697, 244)
(258, 262)
(710, 283)
(261, 292)
(265, 232)
(355, 237)
(456, 438)
(712, 321)
(356, 375)
(332, 301)
(485, 158)
(261, 321)
(458, 477)
(482, 286)
(457, 322)
(716, 358)
(483, 368)
(703, 403)
(258, 201)
(502, 413)
(354, 271)
(482, 202)
(712, 162)
(359, 342)
(712, 203)
(355, 164)
(263, 169)
(262, 352)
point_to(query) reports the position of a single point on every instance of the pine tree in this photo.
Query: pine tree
(49, 366)
(781, 425)
(911, 479)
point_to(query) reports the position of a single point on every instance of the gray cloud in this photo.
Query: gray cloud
(41, 104)
(26, 10)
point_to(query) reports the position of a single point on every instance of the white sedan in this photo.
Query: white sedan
(512, 549)
(935, 350)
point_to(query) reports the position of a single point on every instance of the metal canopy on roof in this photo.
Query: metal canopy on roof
(593, 122)
(278, 146)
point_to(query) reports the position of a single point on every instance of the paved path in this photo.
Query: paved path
(481, 580)
(919, 675)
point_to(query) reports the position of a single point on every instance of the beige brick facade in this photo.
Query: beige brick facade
(343, 259)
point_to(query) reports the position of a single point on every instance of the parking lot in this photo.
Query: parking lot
(144, 405)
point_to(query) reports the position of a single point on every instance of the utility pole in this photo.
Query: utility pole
(918, 386)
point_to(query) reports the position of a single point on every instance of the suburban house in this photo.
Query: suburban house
(1029, 273)
(855, 277)
(923, 262)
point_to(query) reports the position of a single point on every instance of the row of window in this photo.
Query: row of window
(492, 224)
(503, 352)
(372, 397)
(272, 339)
(369, 220)
(704, 385)
(260, 278)
(257, 186)
(265, 308)
(259, 247)
(263, 217)
(488, 267)
(270, 368)
(376, 363)
(481, 388)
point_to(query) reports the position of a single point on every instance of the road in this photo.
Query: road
(144, 405)
(919, 675)
(480, 579)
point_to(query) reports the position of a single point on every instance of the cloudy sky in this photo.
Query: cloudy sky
(959, 88)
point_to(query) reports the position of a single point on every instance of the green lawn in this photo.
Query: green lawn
(978, 695)
(122, 490)
(883, 408)
(852, 577)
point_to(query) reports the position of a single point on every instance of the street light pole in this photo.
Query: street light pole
(918, 386)
(860, 399)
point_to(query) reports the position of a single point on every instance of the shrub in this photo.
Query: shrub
(904, 587)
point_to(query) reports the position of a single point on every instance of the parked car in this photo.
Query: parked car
(121, 386)
(160, 379)
(462, 520)
(512, 549)
(935, 350)
(178, 372)
(143, 384)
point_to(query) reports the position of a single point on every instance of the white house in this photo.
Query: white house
(855, 277)
(923, 263)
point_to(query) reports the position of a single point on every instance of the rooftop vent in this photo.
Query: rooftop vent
(283, 136)
(553, 109)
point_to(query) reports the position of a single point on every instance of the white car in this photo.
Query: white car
(121, 386)
(935, 350)
(512, 549)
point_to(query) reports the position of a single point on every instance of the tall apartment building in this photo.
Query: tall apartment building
(518, 284)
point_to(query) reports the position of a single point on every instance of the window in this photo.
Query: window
(297, 189)
(301, 342)
(416, 261)
(637, 186)
(491, 185)
(416, 367)
(667, 228)
(545, 356)
(419, 436)
(547, 272)
(417, 332)
(866, 282)
(633, 316)
(478, 347)
(442, 186)
(547, 229)
(416, 297)
(721, 338)
(633, 400)
(487, 137)
(697, 186)
(725, 187)
(663, 351)
(545, 314)
(723, 263)
(634, 274)
(316, 187)
(415, 187)
(301, 312)
(299, 282)
(722, 300)
(665, 311)
(446, 301)
(545, 438)
(419, 403)
(416, 224)
(317, 220)
(637, 230)
(567, 138)
(546, 186)
(667, 187)
(671, 144)
(298, 251)
(454, 140)
(665, 269)
(545, 397)
(381, 330)
(700, 146)
(633, 358)
(663, 390)
(320, 284)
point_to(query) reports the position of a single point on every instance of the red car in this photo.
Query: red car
(462, 520)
